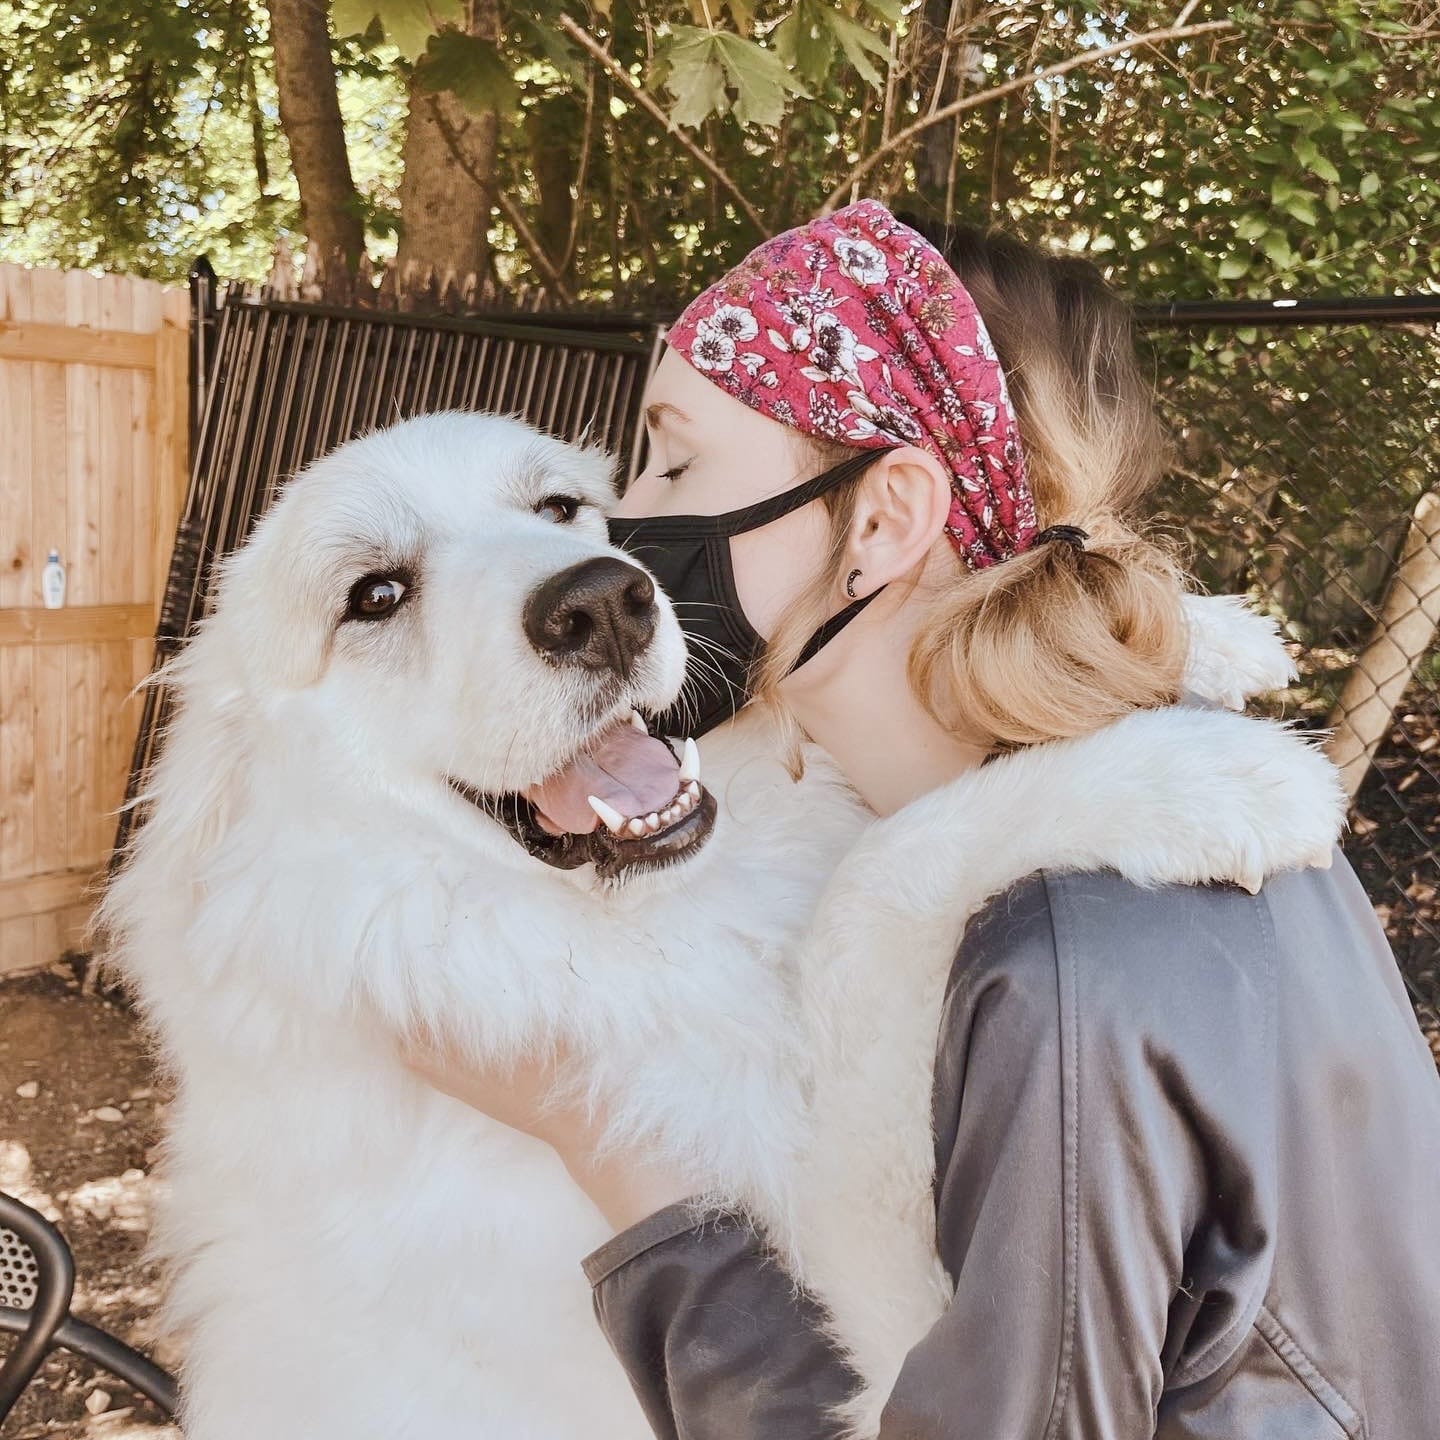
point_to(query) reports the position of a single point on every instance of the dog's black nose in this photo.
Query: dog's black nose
(599, 614)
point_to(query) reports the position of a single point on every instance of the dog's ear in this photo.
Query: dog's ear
(272, 601)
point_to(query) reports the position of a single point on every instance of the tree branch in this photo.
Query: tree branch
(587, 41)
(1020, 82)
(530, 241)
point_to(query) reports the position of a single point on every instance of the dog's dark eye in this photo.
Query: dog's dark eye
(375, 596)
(562, 509)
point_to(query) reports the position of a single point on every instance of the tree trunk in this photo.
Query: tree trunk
(551, 128)
(310, 117)
(448, 189)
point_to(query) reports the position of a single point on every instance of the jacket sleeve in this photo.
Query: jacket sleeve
(1072, 1162)
(716, 1341)
(1098, 1145)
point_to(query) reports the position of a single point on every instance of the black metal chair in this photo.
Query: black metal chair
(37, 1280)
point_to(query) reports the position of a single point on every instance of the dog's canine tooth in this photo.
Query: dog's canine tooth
(690, 760)
(610, 817)
(638, 723)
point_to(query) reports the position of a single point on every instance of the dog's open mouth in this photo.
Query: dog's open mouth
(624, 801)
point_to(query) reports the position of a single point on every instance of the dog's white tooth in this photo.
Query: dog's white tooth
(1322, 860)
(652, 820)
(636, 827)
(610, 817)
(690, 760)
(638, 723)
(693, 789)
(684, 801)
(1252, 880)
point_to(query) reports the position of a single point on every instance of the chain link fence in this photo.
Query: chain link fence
(1308, 476)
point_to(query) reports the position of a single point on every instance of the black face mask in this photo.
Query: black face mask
(690, 556)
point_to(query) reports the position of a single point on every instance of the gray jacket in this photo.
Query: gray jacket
(1187, 1184)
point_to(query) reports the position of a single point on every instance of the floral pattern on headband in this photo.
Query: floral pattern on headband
(854, 329)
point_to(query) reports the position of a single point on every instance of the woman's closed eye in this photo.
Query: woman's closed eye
(676, 471)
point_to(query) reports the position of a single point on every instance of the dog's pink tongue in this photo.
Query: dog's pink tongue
(625, 768)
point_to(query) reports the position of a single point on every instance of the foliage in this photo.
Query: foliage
(1290, 147)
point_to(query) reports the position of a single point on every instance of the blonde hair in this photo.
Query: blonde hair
(1056, 642)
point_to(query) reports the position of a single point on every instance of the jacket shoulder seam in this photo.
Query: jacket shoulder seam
(1290, 1354)
(1067, 981)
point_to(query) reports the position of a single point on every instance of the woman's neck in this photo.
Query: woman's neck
(862, 711)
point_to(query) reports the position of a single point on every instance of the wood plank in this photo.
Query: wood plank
(170, 426)
(73, 924)
(81, 549)
(45, 944)
(76, 345)
(149, 316)
(17, 945)
(111, 423)
(82, 739)
(51, 722)
(44, 894)
(117, 715)
(19, 576)
(15, 292)
(49, 473)
(75, 624)
(17, 762)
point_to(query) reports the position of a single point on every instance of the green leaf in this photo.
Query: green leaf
(1301, 207)
(1324, 168)
(1369, 185)
(1277, 247)
(761, 82)
(859, 44)
(408, 24)
(1251, 227)
(1232, 267)
(887, 10)
(805, 41)
(353, 17)
(471, 69)
(693, 75)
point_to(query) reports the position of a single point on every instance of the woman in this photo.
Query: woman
(1186, 1140)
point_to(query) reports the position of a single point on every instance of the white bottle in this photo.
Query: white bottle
(52, 582)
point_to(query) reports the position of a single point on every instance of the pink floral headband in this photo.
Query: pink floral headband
(854, 328)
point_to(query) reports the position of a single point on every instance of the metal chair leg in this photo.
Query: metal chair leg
(52, 1300)
(47, 1323)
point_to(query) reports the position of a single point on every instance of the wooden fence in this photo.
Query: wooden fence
(93, 405)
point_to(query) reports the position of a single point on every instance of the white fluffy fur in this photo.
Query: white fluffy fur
(356, 1256)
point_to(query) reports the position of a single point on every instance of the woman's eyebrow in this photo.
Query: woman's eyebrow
(660, 410)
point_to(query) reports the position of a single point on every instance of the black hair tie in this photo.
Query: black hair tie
(1070, 534)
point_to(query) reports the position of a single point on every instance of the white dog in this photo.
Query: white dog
(371, 820)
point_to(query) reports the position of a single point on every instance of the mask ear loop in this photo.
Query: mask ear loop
(831, 628)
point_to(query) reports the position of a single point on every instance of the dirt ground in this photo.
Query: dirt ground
(80, 1151)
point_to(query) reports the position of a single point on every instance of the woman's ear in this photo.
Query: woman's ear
(901, 508)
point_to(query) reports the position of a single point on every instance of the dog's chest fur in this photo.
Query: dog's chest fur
(356, 1255)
